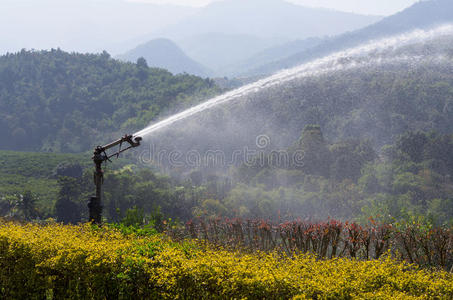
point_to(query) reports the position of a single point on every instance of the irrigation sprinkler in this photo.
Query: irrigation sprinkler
(100, 156)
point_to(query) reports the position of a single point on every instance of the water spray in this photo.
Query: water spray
(100, 156)
(334, 62)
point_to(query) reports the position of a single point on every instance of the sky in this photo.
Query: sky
(94, 25)
(373, 7)
(80, 25)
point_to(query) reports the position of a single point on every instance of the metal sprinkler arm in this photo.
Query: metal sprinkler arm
(100, 155)
(100, 151)
(134, 142)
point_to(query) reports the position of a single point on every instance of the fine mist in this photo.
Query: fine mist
(244, 113)
(374, 52)
(358, 98)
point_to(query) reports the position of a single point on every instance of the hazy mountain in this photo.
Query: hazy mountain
(217, 50)
(163, 53)
(266, 19)
(230, 31)
(272, 54)
(423, 14)
(82, 25)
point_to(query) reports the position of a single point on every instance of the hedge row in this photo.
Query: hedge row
(426, 246)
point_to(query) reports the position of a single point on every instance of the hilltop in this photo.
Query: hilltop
(163, 53)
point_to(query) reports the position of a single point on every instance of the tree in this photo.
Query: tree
(142, 66)
(316, 160)
(141, 63)
(27, 205)
(411, 145)
(73, 170)
(349, 157)
(66, 208)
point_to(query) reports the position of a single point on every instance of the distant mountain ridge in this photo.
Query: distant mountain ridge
(272, 54)
(218, 50)
(228, 32)
(165, 54)
(266, 19)
(421, 15)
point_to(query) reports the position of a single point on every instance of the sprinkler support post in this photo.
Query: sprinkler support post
(100, 155)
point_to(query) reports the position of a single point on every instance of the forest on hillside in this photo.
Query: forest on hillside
(374, 134)
(54, 101)
(409, 180)
(375, 139)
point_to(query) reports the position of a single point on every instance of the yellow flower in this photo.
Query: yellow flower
(57, 261)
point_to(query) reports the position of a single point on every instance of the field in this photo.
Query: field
(34, 172)
(38, 173)
(83, 262)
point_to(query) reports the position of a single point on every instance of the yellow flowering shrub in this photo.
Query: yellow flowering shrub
(83, 262)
